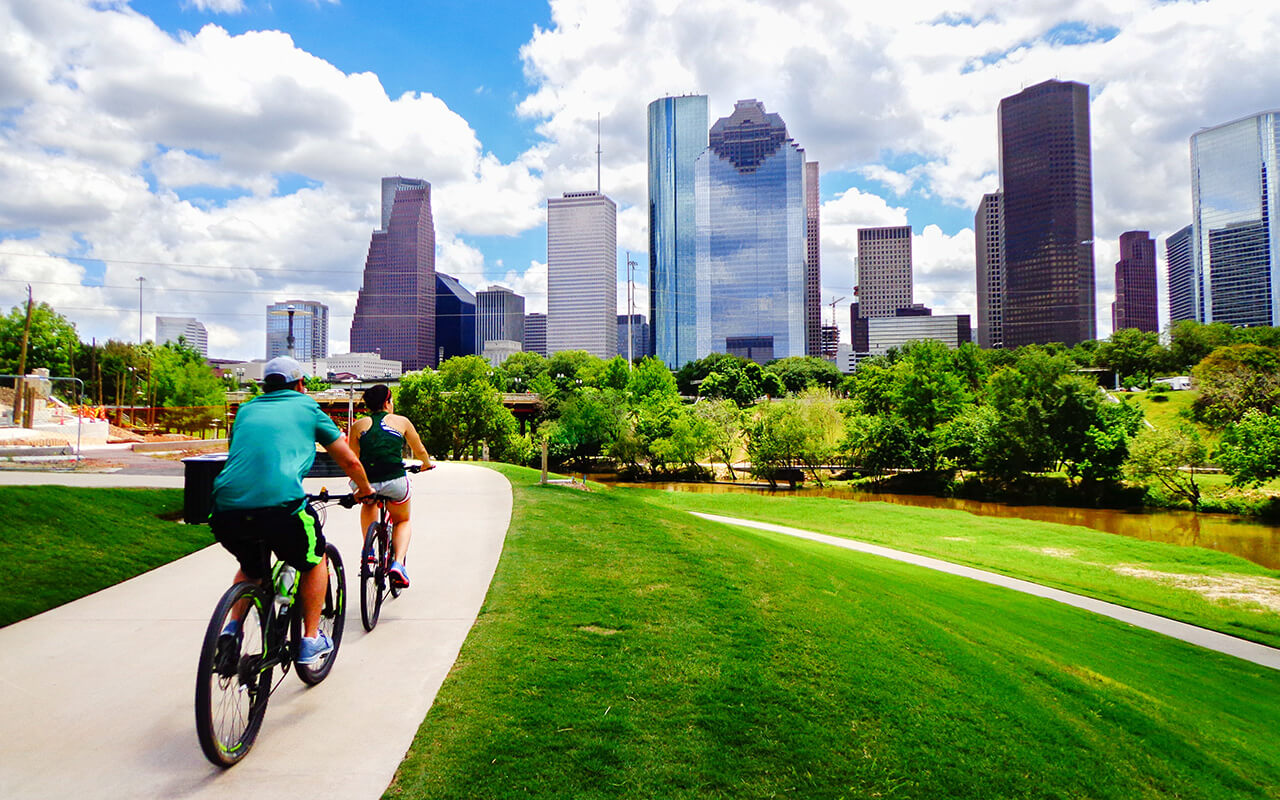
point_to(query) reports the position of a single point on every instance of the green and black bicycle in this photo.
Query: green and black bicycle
(233, 681)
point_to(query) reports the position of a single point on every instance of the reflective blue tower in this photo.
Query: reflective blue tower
(751, 242)
(1235, 189)
(677, 135)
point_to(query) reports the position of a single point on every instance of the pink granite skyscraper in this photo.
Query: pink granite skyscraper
(395, 310)
(1135, 305)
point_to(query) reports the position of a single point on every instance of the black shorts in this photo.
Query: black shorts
(294, 536)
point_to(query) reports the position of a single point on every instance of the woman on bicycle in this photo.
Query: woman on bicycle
(378, 440)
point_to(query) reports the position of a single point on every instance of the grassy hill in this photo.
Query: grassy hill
(628, 649)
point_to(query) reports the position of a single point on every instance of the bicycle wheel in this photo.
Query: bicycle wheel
(373, 576)
(333, 618)
(232, 685)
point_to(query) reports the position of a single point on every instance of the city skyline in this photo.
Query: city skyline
(278, 186)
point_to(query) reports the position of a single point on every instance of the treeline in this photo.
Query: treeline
(926, 410)
(115, 373)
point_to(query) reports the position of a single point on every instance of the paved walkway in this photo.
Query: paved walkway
(96, 697)
(1212, 640)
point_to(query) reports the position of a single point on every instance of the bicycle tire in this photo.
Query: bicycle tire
(333, 618)
(373, 577)
(230, 705)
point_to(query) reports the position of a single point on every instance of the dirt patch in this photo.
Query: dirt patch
(1252, 590)
(598, 631)
(956, 539)
(1058, 552)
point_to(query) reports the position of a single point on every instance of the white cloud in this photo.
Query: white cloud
(120, 141)
(128, 144)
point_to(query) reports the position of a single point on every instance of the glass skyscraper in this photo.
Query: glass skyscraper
(1235, 240)
(751, 247)
(1182, 292)
(677, 136)
(1046, 178)
(395, 312)
(455, 318)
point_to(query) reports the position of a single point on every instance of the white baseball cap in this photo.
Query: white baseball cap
(286, 368)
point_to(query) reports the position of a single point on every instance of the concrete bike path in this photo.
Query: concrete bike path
(97, 695)
(1202, 637)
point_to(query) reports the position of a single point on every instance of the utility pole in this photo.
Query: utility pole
(631, 295)
(19, 385)
(141, 280)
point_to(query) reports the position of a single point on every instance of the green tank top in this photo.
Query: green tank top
(380, 449)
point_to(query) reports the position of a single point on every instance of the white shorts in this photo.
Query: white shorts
(396, 488)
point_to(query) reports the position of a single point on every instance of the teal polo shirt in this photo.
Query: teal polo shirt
(273, 444)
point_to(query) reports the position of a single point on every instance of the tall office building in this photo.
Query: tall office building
(1181, 275)
(582, 274)
(988, 242)
(677, 136)
(815, 343)
(1235, 235)
(455, 319)
(396, 309)
(1135, 303)
(535, 333)
(499, 316)
(189, 329)
(639, 336)
(884, 270)
(751, 246)
(310, 329)
(1047, 186)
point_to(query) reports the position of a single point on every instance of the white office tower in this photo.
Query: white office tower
(190, 329)
(582, 274)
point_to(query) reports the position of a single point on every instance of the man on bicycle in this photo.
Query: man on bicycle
(378, 441)
(258, 496)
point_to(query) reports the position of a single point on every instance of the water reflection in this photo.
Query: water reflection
(1241, 536)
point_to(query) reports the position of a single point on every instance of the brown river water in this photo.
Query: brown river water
(1248, 538)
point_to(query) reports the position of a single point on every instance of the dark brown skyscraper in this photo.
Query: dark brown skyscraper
(396, 307)
(1135, 305)
(1046, 181)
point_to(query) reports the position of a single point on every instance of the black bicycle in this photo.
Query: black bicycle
(375, 560)
(233, 680)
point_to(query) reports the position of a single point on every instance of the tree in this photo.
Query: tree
(651, 378)
(1132, 353)
(1106, 443)
(823, 425)
(1250, 449)
(1162, 453)
(725, 433)
(180, 377)
(776, 439)
(1235, 379)
(588, 423)
(693, 372)
(798, 373)
(52, 343)
(1190, 342)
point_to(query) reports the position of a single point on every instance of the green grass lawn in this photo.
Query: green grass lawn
(1167, 579)
(63, 543)
(627, 649)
